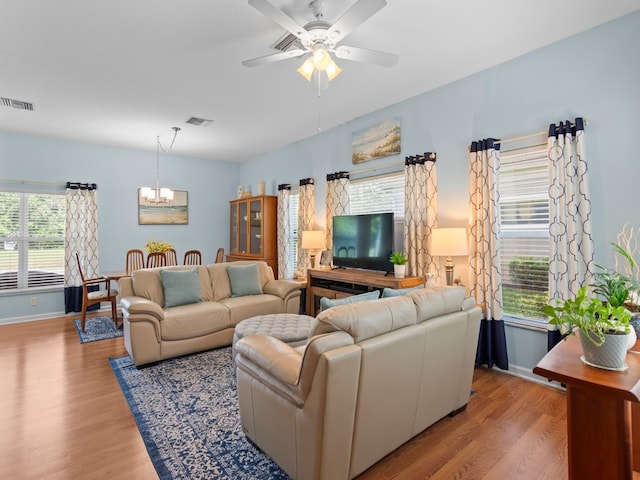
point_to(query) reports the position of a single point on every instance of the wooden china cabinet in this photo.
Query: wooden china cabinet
(252, 227)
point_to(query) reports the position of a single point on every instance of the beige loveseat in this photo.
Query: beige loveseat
(153, 332)
(372, 376)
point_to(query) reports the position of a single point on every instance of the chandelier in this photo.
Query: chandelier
(159, 195)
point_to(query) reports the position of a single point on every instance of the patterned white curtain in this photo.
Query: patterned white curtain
(485, 280)
(420, 212)
(81, 237)
(285, 267)
(337, 201)
(306, 213)
(571, 261)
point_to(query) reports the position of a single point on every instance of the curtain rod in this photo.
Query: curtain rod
(373, 169)
(28, 182)
(522, 137)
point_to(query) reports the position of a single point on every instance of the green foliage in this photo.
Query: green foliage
(524, 303)
(398, 258)
(530, 272)
(589, 314)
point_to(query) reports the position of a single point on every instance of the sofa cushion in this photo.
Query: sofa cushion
(326, 303)
(244, 280)
(364, 320)
(194, 320)
(241, 308)
(146, 283)
(180, 287)
(396, 292)
(432, 302)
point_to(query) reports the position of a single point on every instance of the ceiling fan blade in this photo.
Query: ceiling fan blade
(364, 55)
(358, 13)
(278, 16)
(276, 57)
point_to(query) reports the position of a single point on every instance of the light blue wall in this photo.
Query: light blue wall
(119, 173)
(594, 75)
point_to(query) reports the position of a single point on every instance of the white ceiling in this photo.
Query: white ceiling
(121, 72)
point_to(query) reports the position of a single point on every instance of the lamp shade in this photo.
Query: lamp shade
(312, 240)
(449, 242)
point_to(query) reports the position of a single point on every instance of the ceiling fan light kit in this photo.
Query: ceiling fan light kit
(318, 39)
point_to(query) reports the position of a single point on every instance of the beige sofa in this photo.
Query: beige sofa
(372, 376)
(153, 332)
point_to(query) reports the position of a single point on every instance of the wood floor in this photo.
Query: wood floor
(63, 416)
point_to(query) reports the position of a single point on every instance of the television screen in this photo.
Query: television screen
(363, 241)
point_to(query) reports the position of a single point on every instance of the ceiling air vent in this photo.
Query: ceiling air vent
(284, 43)
(19, 104)
(202, 122)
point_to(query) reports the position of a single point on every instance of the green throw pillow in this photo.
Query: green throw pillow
(181, 287)
(244, 280)
(328, 303)
(396, 292)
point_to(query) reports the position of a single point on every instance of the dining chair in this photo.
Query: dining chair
(220, 255)
(172, 257)
(156, 259)
(91, 296)
(135, 260)
(192, 257)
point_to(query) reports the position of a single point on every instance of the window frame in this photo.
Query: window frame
(24, 238)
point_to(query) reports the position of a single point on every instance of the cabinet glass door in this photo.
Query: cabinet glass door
(233, 240)
(255, 230)
(243, 223)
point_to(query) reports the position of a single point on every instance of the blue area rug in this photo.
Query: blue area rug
(187, 412)
(97, 328)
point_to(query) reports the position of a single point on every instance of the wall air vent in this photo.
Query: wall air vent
(202, 122)
(19, 104)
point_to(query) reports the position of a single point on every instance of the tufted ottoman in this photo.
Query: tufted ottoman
(288, 327)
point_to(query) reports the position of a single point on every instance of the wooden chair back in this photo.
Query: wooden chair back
(156, 259)
(172, 257)
(94, 292)
(135, 260)
(192, 257)
(220, 255)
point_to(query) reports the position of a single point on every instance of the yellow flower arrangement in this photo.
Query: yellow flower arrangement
(157, 246)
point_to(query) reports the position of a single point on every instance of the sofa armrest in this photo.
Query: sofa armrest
(282, 368)
(141, 306)
(280, 359)
(281, 288)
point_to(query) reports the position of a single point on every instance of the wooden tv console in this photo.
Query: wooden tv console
(340, 283)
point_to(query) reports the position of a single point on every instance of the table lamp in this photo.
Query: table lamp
(312, 240)
(449, 242)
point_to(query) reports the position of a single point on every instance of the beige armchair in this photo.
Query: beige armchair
(372, 376)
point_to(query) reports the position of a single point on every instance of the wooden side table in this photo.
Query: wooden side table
(599, 430)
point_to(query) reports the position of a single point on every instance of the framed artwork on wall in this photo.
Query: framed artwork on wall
(174, 212)
(377, 141)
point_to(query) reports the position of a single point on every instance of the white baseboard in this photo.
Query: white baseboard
(527, 374)
(46, 316)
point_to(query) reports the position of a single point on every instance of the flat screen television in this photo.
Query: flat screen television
(363, 241)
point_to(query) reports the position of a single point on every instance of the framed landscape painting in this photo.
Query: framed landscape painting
(175, 212)
(378, 141)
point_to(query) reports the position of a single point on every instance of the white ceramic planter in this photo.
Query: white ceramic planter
(399, 270)
(610, 355)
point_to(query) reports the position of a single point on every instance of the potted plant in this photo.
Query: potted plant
(399, 260)
(605, 332)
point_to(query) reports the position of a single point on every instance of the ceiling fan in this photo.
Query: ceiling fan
(318, 39)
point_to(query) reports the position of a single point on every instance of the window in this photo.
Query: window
(293, 224)
(524, 232)
(31, 240)
(378, 194)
